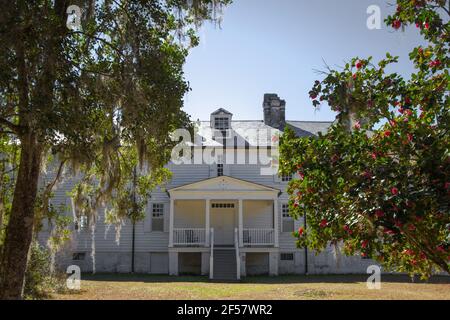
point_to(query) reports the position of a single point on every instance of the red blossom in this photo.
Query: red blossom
(323, 223)
(410, 137)
(396, 24)
(301, 231)
(394, 191)
(359, 65)
(364, 244)
(440, 249)
(379, 213)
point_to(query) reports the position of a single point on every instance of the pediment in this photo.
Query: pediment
(224, 183)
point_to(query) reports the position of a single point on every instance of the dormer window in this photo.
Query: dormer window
(221, 123)
(221, 120)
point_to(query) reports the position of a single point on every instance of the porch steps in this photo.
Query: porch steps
(224, 264)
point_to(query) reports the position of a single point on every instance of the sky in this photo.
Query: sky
(277, 46)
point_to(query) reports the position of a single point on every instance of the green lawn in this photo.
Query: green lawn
(138, 287)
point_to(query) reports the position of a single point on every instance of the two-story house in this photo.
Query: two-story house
(223, 214)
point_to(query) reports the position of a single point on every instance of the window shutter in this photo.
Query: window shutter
(148, 218)
(166, 216)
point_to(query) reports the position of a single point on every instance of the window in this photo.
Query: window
(288, 221)
(219, 169)
(82, 223)
(78, 256)
(286, 256)
(221, 123)
(222, 205)
(157, 217)
(286, 178)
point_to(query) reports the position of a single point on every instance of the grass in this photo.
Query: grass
(342, 287)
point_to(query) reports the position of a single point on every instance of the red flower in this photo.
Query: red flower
(374, 156)
(354, 76)
(394, 191)
(398, 224)
(364, 244)
(387, 133)
(379, 213)
(440, 249)
(435, 63)
(409, 252)
(357, 125)
(393, 123)
(410, 137)
(301, 231)
(359, 65)
(426, 26)
(367, 174)
(411, 227)
(396, 24)
(407, 100)
(313, 96)
(323, 223)
(364, 254)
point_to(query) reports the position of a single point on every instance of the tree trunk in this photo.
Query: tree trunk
(20, 227)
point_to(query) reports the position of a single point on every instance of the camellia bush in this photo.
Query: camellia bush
(377, 183)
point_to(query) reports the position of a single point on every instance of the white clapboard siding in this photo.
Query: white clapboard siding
(255, 215)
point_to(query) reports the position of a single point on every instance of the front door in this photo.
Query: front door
(223, 222)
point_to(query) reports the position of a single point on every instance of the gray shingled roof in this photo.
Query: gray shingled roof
(246, 132)
(309, 128)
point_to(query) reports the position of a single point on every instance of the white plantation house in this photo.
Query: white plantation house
(225, 218)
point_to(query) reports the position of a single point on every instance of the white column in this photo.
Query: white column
(172, 210)
(241, 223)
(276, 220)
(207, 223)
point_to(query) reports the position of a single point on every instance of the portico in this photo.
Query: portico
(222, 213)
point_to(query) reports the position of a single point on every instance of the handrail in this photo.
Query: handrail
(238, 259)
(258, 236)
(211, 256)
(189, 236)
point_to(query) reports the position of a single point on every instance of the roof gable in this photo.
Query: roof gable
(223, 183)
(221, 111)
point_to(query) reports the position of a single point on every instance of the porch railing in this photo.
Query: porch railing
(258, 237)
(189, 237)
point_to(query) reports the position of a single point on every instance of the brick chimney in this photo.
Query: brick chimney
(274, 111)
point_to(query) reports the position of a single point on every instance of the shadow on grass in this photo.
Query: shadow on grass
(285, 279)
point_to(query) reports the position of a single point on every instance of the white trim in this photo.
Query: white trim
(276, 222)
(171, 218)
(207, 221)
(241, 222)
(191, 186)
